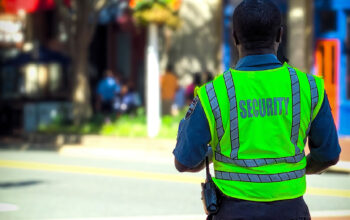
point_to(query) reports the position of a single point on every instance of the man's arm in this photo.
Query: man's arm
(316, 167)
(192, 140)
(182, 168)
(323, 141)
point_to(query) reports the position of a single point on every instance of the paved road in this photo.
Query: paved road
(46, 185)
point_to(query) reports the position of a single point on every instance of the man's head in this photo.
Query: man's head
(169, 68)
(257, 25)
(109, 73)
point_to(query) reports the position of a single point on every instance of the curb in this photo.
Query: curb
(149, 155)
(340, 167)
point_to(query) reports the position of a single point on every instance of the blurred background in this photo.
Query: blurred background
(92, 91)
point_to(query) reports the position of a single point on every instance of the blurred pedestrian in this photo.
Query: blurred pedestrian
(107, 89)
(117, 101)
(169, 86)
(196, 81)
(179, 101)
(207, 77)
(130, 99)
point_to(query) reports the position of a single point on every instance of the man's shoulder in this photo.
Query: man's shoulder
(209, 85)
(305, 74)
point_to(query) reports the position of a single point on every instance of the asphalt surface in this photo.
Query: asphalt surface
(47, 185)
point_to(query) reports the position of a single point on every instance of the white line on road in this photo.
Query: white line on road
(130, 155)
(5, 207)
(331, 213)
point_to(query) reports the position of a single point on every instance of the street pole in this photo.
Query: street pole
(300, 36)
(153, 83)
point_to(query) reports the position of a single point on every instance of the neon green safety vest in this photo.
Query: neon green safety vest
(259, 121)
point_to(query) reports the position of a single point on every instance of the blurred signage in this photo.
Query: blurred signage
(327, 66)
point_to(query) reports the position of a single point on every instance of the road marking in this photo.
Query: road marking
(101, 171)
(330, 213)
(328, 192)
(6, 207)
(141, 175)
(149, 156)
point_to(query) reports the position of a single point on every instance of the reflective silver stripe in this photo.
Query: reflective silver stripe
(260, 178)
(259, 162)
(314, 99)
(214, 104)
(230, 88)
(295, 109)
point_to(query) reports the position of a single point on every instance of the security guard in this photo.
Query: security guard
(257, 118)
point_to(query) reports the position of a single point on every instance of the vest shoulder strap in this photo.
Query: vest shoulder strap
(317, 90)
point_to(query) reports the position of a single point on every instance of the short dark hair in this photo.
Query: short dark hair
(257, 23)
(169, 68)
(197, 79)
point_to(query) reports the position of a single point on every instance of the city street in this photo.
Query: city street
(52, 185)
(92, 94)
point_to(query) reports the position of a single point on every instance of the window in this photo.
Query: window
(42, 80)
(328, 21)
(10, 81)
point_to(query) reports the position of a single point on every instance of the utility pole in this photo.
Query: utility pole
(300, 34)
(153, 84)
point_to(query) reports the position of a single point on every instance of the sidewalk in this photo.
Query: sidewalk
(156, 150)
(128, 149)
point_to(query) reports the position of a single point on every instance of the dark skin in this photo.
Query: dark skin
(313, 166)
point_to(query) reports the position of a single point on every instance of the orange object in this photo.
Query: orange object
(169, 86)
(175, 5)
(133, 3)
(327, 66)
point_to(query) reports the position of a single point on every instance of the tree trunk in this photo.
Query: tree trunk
(82, 109)
(152, 87)
(80, 20)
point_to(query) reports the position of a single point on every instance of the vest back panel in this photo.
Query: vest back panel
(259, 121)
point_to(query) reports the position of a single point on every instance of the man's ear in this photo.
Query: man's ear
(279, 35)
(235, 38)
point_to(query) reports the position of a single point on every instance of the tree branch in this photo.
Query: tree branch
(99, 5)
(62, 8)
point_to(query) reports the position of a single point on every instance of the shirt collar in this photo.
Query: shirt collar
(258, 61)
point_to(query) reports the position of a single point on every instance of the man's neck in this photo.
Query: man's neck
(244, 53)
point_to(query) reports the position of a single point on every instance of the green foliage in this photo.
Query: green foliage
(123, 126)
(139, 5)
(159, 12)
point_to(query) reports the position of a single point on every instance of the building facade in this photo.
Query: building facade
(332, 57)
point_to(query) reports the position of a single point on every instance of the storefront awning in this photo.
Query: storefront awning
(28, 6)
